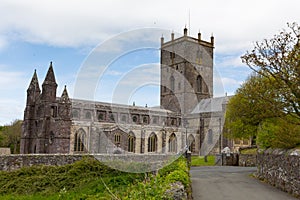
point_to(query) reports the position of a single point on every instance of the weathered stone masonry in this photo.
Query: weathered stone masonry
(280, 169)
(14, 162)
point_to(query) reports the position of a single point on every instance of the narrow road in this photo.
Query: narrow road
(232, 183)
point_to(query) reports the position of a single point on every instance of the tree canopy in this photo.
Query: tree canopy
(267, 105)
(278, 59)
(10, 136)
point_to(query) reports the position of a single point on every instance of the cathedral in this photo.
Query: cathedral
(189, 118)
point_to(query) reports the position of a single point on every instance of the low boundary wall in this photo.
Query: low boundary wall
(16, 161)
(280, 168)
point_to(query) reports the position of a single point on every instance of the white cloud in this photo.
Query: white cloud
(75, 23)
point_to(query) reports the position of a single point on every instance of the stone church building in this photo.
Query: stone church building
(188, 117)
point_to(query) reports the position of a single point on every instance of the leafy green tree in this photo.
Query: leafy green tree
(267, 105)
(10, 136)
(278, 59)
(279, 133)
(254, 102)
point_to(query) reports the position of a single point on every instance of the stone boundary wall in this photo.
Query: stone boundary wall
(280, 168)
(247, 160)
(16, 161)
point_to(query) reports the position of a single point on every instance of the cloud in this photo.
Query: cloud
(80, 23)
(11, 79)
(10, 109)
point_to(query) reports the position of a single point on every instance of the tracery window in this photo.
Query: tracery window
(172, 83)
(173, 143)
(131, 142)
(117, 138)
(79, 144)
(152, 143)
(199, 83)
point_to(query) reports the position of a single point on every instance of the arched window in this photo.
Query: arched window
(173, 143)
(101, 116)
(117, 138)
(75, 114)
(131, 142)
(88, 115)
(79, 145)
(210, 137)
(191, 143)
(199, 83)
(134, 118)
(172, 83)
(152, 143)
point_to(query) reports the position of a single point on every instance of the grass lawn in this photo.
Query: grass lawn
(199, 161)
(249, 151)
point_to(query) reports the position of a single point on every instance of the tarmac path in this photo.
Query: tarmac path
(232, 183)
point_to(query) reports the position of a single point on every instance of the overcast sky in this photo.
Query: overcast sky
(33, 33)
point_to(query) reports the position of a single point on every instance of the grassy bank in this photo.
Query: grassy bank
(199, 161)
(90, 179)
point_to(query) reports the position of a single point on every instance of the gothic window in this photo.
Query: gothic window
(191, 143)
(152, 143)
(117, 138)
(176, 67)
(145, 119)
(51, 138)
(210, 137)
(131, 142)
(101, 116)
(135, 118)
(172, 83)
(79, 144)
(88, 115)
(53, 111)
(199, 83)
(179, 86)
(173, 143)
(111, 117)
(173, 122)
(75, 114)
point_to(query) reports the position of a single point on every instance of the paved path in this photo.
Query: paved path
(231, 183)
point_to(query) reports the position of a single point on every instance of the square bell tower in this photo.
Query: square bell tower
(186, 72)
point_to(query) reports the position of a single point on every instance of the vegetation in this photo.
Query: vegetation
(199, 161)
(249, 151)
(10, 136)
(267, 105)
(90, 179)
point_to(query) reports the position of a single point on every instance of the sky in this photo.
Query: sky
(98, 48)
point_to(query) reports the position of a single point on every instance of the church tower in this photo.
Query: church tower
(47, 118)
(33, 94)
(186, 72)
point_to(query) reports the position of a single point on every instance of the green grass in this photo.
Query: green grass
(89, 179)
(249, 151)
(199, 161)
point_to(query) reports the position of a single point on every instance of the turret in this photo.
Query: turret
(49, 86)
(212, 40)
(65, 105)
(33, 90)
(185, 31)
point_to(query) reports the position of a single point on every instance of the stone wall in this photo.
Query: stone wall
(16, 161)
(247, 160)
(280, 168)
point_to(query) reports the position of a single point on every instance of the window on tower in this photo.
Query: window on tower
(199, 83)
(172, 83)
